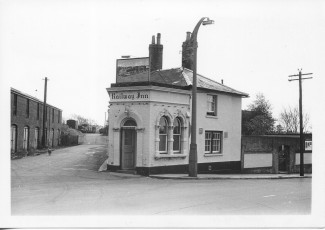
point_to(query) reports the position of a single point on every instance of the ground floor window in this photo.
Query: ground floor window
(170, 133)
(26, 138)
(177, 136)
(51, 138)
(36, 138)
(163, 129)
(13, 140)
(213, 142)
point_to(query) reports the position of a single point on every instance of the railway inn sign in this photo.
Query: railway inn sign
(130, 96)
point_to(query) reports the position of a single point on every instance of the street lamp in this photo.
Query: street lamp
(193, 147)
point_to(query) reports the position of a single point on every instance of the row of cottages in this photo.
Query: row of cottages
(27, 123)
(150, 119)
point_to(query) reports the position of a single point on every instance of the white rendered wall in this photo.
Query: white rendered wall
(172, 103)
(307, 158)
(228, 120)
(257, 160)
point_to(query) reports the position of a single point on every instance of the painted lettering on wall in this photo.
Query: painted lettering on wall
(130, 96)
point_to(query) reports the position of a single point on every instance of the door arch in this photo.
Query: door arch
(128, 144)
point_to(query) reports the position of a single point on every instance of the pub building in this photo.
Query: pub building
(150, 117)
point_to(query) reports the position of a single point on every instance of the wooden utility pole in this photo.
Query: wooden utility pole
(302, 146)
(44, 115)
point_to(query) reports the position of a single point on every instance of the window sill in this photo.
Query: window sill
(212, 154)
(210, 116)
(170, 156)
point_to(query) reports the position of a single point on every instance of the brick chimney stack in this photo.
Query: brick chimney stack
(187, 52)
(156, 53)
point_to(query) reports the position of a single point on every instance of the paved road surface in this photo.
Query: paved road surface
(68, 183)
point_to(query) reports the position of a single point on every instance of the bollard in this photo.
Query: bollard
(49, 151)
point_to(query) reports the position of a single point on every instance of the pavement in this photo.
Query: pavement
(229, 176)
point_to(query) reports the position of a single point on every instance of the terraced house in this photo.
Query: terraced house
(27, 123)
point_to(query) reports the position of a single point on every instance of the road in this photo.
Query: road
(68, 183)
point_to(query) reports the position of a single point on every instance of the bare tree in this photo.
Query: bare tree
(289, 120)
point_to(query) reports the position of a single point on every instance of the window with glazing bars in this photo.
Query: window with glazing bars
(213, 142)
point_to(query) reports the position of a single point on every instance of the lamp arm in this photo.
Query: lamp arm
(196, 29)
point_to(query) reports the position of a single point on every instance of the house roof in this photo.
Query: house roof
(13, 90)
(181, 77)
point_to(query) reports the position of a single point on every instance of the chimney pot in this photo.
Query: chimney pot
(158, 38)
(188, 36)
(153, 39)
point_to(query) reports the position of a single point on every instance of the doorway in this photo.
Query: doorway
(283, 153)
(128, 148)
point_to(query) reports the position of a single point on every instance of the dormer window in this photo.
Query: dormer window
(212, 105)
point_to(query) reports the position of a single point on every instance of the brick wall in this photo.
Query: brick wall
(260, 154)
(21, 120)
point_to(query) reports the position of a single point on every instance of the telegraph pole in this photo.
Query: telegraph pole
(302, 146)
(44, 115)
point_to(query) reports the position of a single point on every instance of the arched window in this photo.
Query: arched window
(163, 135)
(13, 140)
(177, 136)
(26, 138)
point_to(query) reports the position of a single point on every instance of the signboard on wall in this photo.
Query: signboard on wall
(132, 69)
(129, 96)
(308, 145)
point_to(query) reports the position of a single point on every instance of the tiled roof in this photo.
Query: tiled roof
(206, 83)
(13, 90)
(181, 77)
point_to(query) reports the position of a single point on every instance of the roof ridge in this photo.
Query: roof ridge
(32, 97)
(216, 82)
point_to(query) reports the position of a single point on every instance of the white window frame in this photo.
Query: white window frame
(179, 136)
(13, 140)
(166, 137)
(214, 140)
(212, 101)
(36, 137)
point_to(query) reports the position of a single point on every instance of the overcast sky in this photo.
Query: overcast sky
(253, 46)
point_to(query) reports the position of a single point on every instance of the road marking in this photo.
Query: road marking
(74, 169)
(269, 196)
(90, 153)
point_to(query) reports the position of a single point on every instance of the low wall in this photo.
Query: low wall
(307, 158)
(256, 160)
(272, 153)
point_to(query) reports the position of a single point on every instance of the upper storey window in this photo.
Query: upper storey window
(212, 105)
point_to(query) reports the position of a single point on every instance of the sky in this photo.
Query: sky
(253, 46)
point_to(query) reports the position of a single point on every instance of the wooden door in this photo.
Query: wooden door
(283, 158)
(128, 149)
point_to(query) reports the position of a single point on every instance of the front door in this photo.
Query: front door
(128, 149)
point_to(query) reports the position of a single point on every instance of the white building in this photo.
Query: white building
(149, 122)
